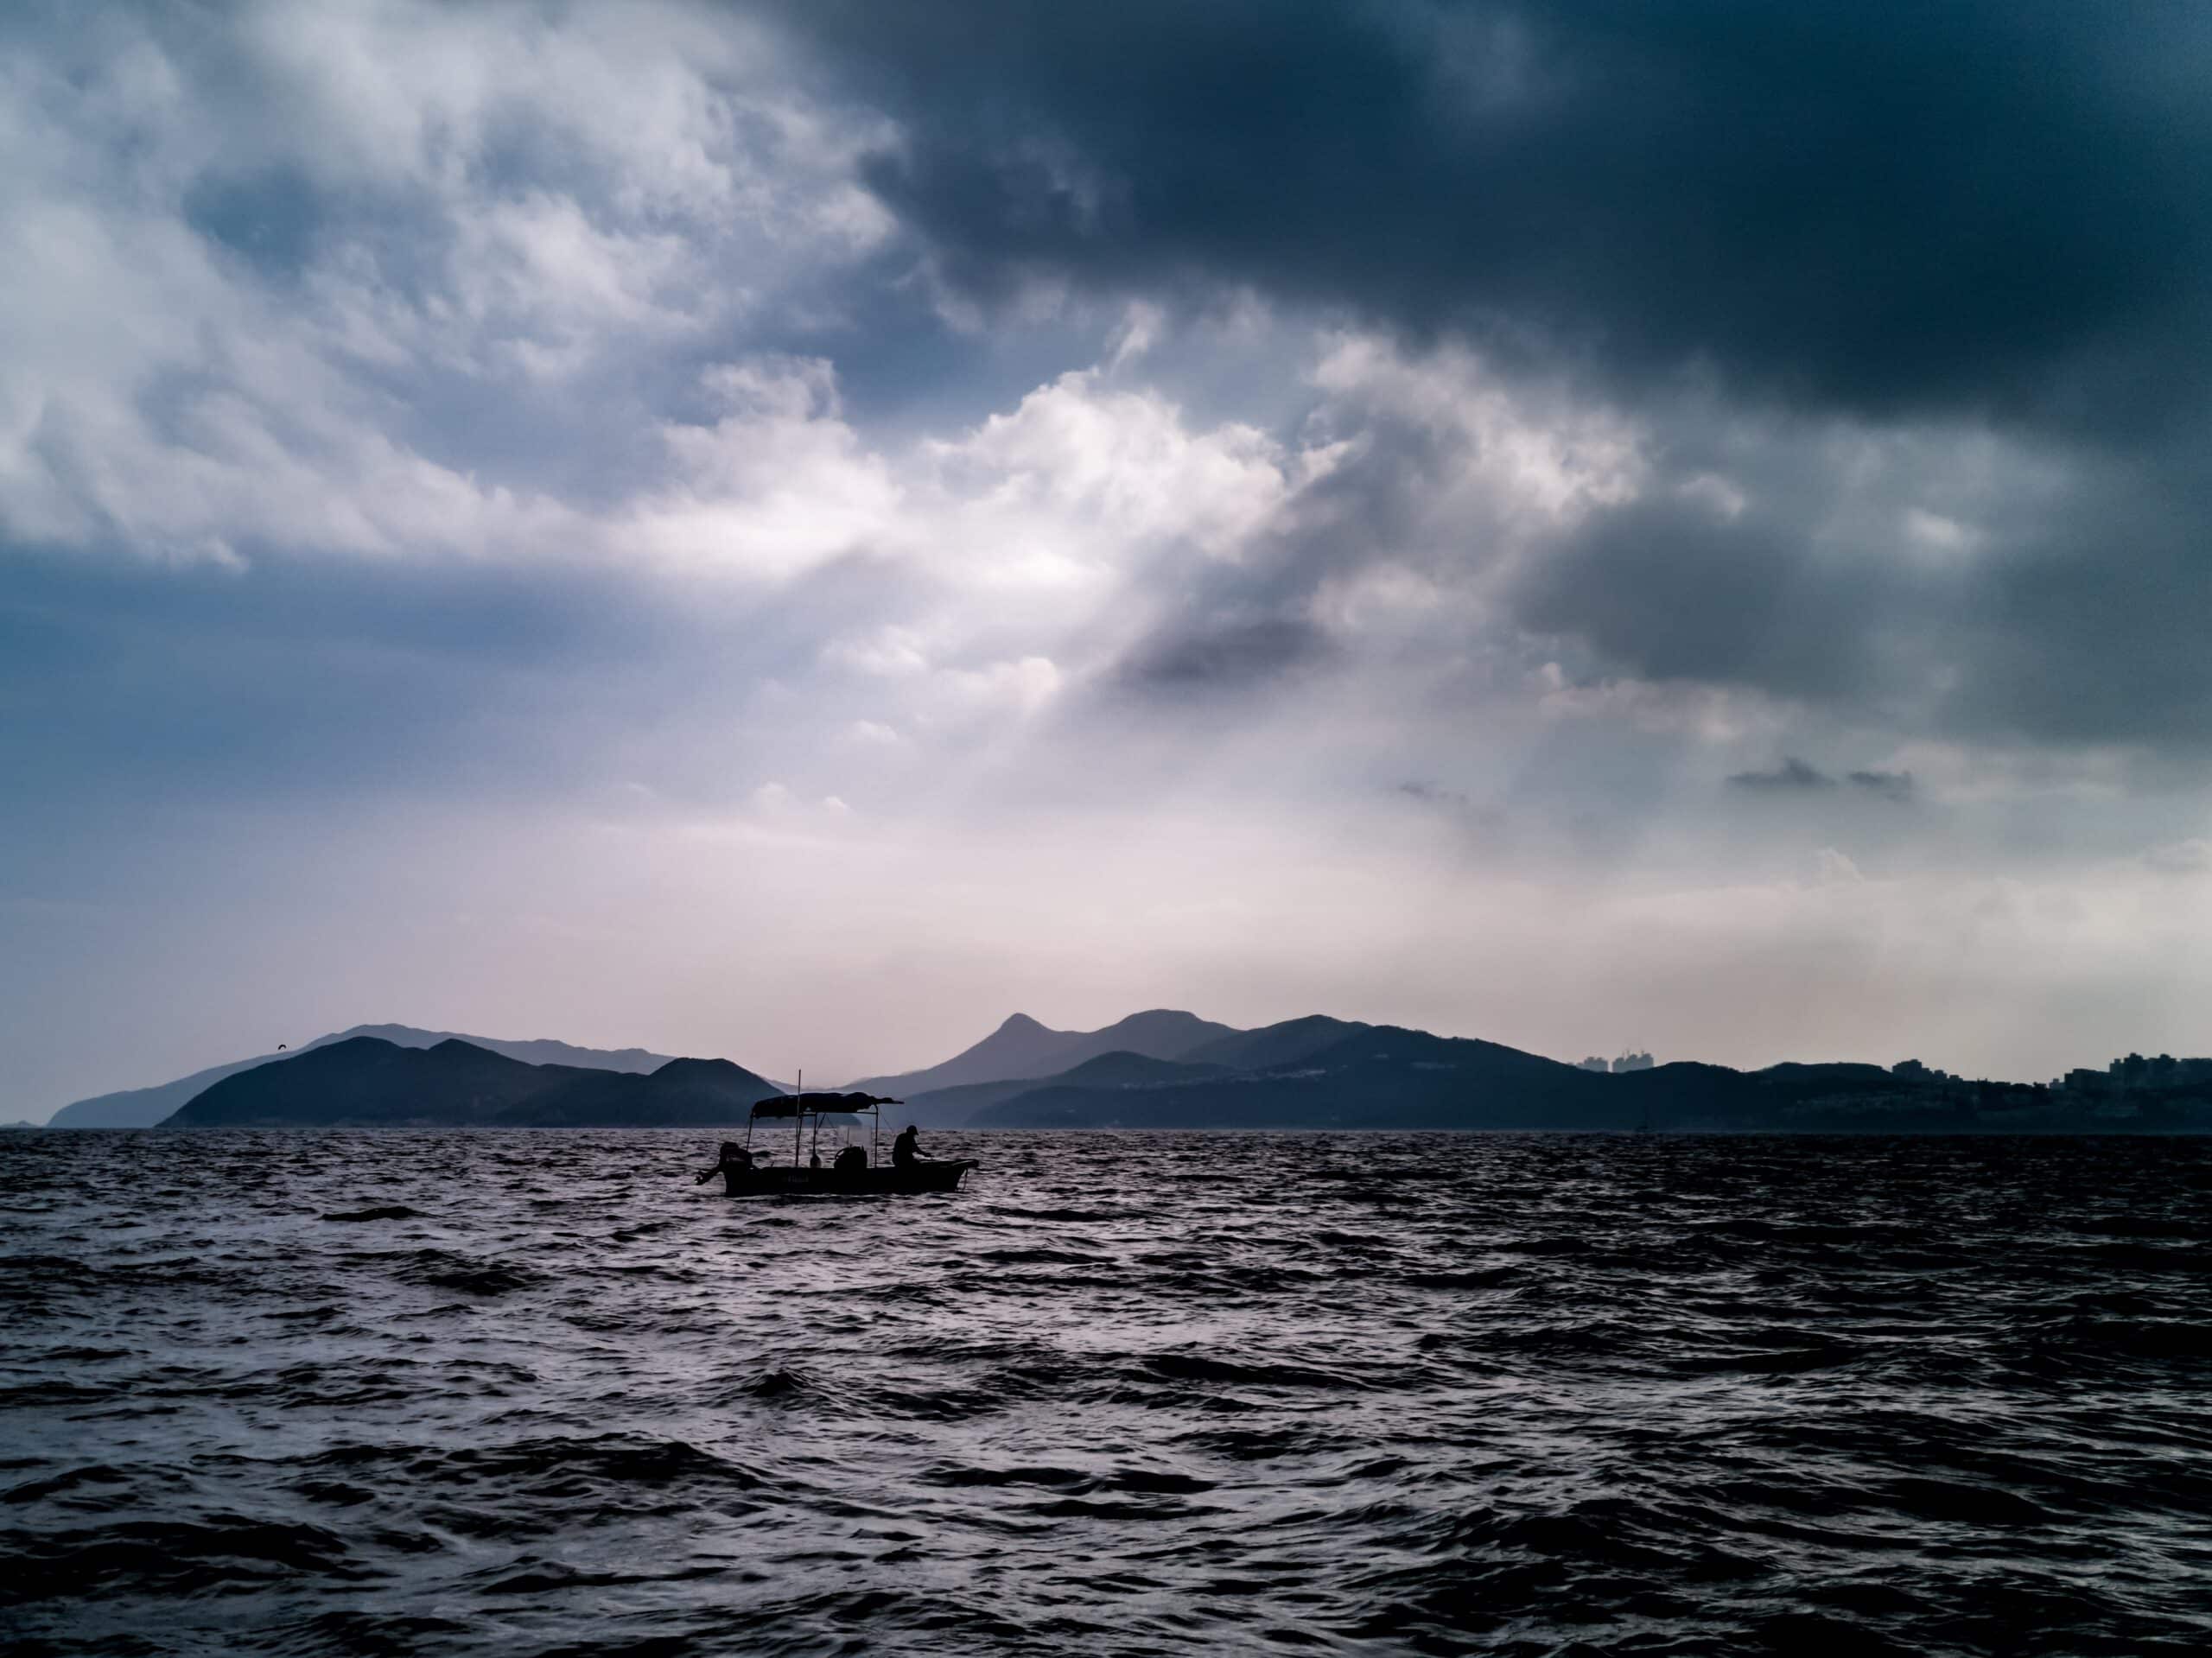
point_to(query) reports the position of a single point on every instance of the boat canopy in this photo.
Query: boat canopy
(822, 1105)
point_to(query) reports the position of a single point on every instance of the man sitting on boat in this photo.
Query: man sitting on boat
(757, 1172)
(732, 1155)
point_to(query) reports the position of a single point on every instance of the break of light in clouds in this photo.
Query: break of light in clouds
(797, 531)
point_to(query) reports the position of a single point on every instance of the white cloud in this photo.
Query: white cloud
(1024, 686)
(502, 192)
(1079, 476)
(775, 487)
(1532, 458)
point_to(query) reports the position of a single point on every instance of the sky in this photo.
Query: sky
(798, 531)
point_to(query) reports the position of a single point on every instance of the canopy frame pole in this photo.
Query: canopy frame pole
(798, 1120)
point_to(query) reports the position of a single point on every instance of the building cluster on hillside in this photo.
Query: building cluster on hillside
(2123, 1076)
(2128, 1075)
(1912, 1070)
(1626, 1062)
(2120, 1077)
(1930, 1087)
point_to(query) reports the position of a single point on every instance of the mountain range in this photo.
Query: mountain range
(1320, 1073)
(366, 1082)
(1023, 1048)
(1161, 1069)
(142, 1108)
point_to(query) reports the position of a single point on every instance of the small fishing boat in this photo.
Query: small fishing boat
(852, 1171)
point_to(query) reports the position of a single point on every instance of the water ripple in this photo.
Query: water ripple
(473, 1394)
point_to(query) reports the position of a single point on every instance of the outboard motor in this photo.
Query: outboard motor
(853, 1161)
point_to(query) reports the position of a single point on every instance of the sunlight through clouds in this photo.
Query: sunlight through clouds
(605, 426)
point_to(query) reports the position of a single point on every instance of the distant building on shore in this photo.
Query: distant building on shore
(1626, 1062)
(2135, 1072)
(1911, 1071)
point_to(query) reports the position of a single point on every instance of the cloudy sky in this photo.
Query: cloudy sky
(795, 530)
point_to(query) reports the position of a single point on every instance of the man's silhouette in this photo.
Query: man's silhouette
(904, 1151)
(732, 1155)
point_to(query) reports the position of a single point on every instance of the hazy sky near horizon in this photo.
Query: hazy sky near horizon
(795, 530)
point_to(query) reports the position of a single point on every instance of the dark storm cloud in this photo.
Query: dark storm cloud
(2092, 629)
(1901, 216)
(1672, 590)
(1224, 656)
(1873, 207)
(1795, 775)
(2078, 620)
(1792, 774)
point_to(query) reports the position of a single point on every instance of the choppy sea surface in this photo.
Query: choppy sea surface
(433, 1393)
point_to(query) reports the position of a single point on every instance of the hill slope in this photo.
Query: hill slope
(142, 1108)
(685, 1093)
(955, 1107)
(1023, 1048)
(366, 1082)
(1385, 1077)
(1271, 1045)
(1374, 1077)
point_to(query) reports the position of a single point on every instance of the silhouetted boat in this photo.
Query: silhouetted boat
(851, 1172)
(782, 1181)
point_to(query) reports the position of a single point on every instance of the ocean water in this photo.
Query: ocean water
(539, 1392)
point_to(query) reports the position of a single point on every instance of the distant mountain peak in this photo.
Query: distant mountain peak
(1022, 1047)
(1158, 1016)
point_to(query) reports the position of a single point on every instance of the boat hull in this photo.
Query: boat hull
(784, 1181)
